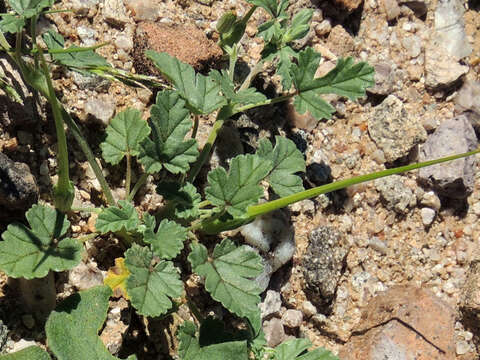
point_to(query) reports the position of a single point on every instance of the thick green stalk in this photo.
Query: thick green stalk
(142, 180)
(214, 227)
(64, 190)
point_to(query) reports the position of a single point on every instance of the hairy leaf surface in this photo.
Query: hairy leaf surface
(292, 350)
(238, 188)
(30, 353)
(190, 349)
(11, 23)
(243, 97)
(166, 147)
(74, 325)
(186, 198)
(286, 160)
(33, 252)
(116, 218)
(29, 8)
(124, 134)
(201, 92)
(167, 241)
(227, 276)
(346, 79)
(150, 284)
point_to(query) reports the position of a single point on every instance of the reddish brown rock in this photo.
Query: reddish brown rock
(186, 42)
(404, 323)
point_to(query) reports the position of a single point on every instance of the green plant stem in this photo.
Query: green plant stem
(196, 120)
(214, 227)
(87, 209)
(142, 180)
(4, 43)
(233, 56)
(64, 191)
(263, 103)
(248, 80)
(203, 157)
(128, 177)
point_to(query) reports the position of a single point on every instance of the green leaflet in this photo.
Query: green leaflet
(74, 57)
(29, 8)
(242, 97)
(74, 325)
(201, 92)
(33, 252)
(186, 198)
(291, 350)
(299, 27)
(190, 349)
(166, 147)
(150, 285)
(30, 353)
(227, 275)
(274, 7)
(238, 188)
(116, 218)
(167, 241)
(124, 134)
(286, 160)
(11, 23)
(346, 79)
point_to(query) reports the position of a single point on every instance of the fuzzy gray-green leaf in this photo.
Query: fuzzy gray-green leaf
(167, 241)
(295, 350)
(286, 161)
(116, 218)
(151, 284)
(30, 353)
(227, 277)
(238, 188)
(166, 146)
(33, 252)
(124, 134)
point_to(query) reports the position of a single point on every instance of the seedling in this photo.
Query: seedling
(147, 274)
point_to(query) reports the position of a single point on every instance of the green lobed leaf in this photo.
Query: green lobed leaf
(30, 353)
(274, 7)
(124, 134)
(242, 97)
(201, 92)
(11, 23)
(295, 350)
(29, 8)
(228, 274)
(166, 147)
(77, 58)
(238, 189)
(299, 27)
(287, 160)
(167, 241)
(346, 79)
(186, 198)
(116, 218)
(285, 55)
(74, 325)
(150, 285)
(190, 349)
(33, 252)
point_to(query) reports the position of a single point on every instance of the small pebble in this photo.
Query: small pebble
(309, 309)
(462, 347)
(428, 215)
(292, 318)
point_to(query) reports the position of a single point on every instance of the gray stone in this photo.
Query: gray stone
(431, 200)
(82, 7)
(467, 101)
(87, 35)
(396, 194)
(3, 336)
(384, 79)
(393, 130)
(292, 318)
(271, 305)
(454, 179)
(274, 332)
(143, 10)
(428, 215)
(412, 45)
(85, 276)
(309, 309)
(91, 82)
(392, 10)
(115, 13)
(450, 28)
(102, 109)
(18, 189)
(442, 70)
(322, 264)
